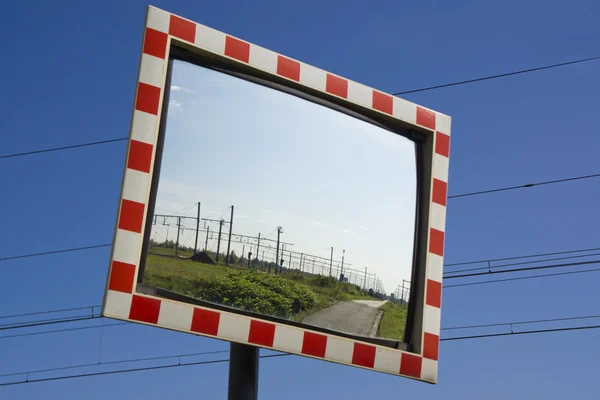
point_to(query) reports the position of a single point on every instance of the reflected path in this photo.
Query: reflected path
(360, 317)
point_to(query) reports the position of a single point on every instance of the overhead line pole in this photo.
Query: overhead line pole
(331, 261)
(197, 230)
(229, 241)
(219, 239)
(177, 241)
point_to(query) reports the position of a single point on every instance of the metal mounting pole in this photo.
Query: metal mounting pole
(243, 372)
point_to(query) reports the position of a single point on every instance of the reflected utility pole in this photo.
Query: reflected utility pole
(177, 241)
(331, 261)
(258, 246)
(279, 230)
(402, 293)
(206, 243)
(229, 240)
(221, 222)
(197, 229)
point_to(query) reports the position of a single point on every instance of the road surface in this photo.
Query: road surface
(359, 317)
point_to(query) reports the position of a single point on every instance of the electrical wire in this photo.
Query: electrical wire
(117, 362)
(50, 312)
(518, 257)
(63, 330)
(521, 263)
(523, 71)
(55, 252)
(521, 278)
(47, 322)
(130, 370)
(538, 321)
(488, 335)
(218, 212)
(505, 271)
(528, 185)
(179, 364)
(74, 146)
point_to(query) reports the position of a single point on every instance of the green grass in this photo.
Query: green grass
(192, 279)
(170, 251)
(184, 268)
(393, 323)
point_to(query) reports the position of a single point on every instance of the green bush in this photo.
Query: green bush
(257, 292)
(323, 281)
(352, 289)
(295, 275)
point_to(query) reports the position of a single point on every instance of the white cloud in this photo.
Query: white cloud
(175, 105)
(175, 88)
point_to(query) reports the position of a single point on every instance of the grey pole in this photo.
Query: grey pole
(331, 262)
(277, 251)
(402, 300)
(177, 242)
(197, 229)
(258, 246)
(365, 282)
(219, 239)
(206, 243)
(229, 240)
(243, 372)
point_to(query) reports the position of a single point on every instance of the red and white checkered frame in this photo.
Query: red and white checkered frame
(121, 300)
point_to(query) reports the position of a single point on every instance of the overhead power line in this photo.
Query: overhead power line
(97, 364)
(462, 327)
(505, 271)
(80, 328)
(522, 278)
(62, 310)
(179, 364)
(537, 321)
(525, 256)
(489, 335)
(128, 370)
(489, 267)
(73, 146)
(46, 322)
(485, 78)
(55, 252)
(528, 185)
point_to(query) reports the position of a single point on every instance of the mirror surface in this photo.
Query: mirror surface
(337, 193)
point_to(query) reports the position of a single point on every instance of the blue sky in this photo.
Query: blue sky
(329, 179)
(71, 76)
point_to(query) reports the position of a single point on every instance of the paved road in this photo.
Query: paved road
(356, 316)
(371, 303)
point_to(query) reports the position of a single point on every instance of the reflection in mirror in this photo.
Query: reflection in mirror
(306, 213)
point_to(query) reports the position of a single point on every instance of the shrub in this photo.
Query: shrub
(295, 275)
(323, 281)
(257, 292)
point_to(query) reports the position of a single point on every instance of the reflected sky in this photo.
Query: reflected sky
(329, 179)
